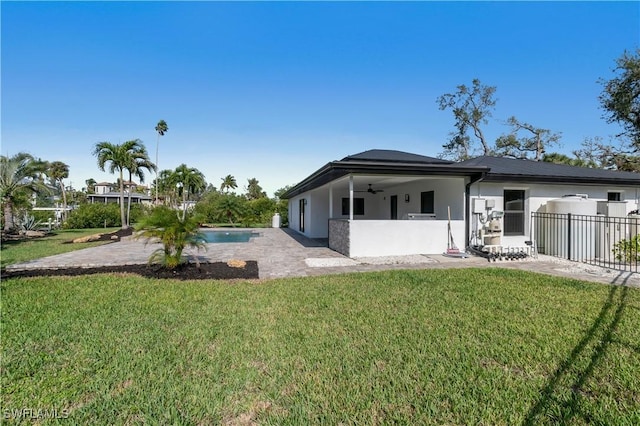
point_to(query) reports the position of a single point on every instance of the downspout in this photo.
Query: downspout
(467, 206)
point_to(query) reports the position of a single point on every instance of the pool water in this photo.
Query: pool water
(229, 236)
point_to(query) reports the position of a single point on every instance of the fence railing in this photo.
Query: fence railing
(610, 242)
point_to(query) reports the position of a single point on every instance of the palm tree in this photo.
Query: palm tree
(58, 171)
(228, 182)
(119, 157)
(230, 206)
(18, 174)
(254, 190)
(161, 128)
(91, 185)
(137, 161)
(175, 234)
(163, 184)
(191, 180)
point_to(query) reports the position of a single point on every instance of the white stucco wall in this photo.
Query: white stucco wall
(402, 237)
(447, 192)
(316, 214)
(537, 195)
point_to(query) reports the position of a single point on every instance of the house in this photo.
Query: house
(106, 192)
(385, 202)
(102, 187)
(114, 197)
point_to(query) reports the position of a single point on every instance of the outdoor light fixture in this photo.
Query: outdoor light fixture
(406, 198)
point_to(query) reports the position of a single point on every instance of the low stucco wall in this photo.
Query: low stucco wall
(401, 237)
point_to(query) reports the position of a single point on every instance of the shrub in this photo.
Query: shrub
(44, 215)
(99, 215)
(627, 250)
(28, 223)
(259, 211)
(174, 233)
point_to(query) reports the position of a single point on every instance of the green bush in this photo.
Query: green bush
(282, 207)
(174, 233)
(259, 212)
(627, 250)
(43, 215)
(99, 215)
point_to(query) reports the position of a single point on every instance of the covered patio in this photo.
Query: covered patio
(384, 203)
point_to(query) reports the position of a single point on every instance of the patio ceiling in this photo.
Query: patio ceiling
(383, 182)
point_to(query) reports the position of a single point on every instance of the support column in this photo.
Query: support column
(350, 197)
(330, 200)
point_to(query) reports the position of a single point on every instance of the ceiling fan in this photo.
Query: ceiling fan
(371, 190)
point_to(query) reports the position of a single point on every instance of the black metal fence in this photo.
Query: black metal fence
(610, 242)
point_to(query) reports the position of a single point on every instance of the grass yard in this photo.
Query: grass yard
(24, 250)
(472, 346)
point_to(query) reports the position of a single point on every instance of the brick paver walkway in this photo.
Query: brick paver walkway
(283, 253)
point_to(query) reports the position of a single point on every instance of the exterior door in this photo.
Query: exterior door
(302, 204)
(394, 207)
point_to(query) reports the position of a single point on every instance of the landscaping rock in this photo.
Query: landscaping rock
(86, 239)
(35, 234)
(233, 263)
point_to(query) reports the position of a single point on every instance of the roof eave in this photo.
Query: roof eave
(504, 177)
(337, 169)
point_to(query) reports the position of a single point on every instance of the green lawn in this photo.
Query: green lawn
(24, 250)
(472, 346)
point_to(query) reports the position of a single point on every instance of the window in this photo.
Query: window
(513, 212)
(358, 206)
(426, 202)
(614, 196)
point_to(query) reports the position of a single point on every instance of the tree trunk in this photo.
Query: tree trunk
(157, 168)
(122, 215)
(9, 224)
(129, 203)
(64, 200)
(184, 204)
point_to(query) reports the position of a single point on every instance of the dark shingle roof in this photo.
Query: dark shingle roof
(392, 156)
(503, 169)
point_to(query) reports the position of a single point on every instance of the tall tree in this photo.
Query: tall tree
(161, 129)
(138, 161)
(118, 156)
(19, 174)
(164, 185)
(190, 181)
(557, 158)
(228, 182)
(91, 185)
(620, 98)
(532, 145)
(230, 206)
(471, 106)
(607, 156)
(254, 190)
(58, 171)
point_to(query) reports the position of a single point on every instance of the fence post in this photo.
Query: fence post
(569, 236)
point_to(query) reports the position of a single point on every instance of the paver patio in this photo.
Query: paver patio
(283, 253)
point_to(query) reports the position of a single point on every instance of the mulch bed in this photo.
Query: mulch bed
(109, 236)
(189, 271)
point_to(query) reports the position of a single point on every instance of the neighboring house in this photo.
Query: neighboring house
(384, 202)
(102, 187)
(106, 192)
(114, 197)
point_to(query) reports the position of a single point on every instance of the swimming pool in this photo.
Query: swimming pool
(229, 236)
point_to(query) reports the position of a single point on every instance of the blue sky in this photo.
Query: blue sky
(275, 90)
